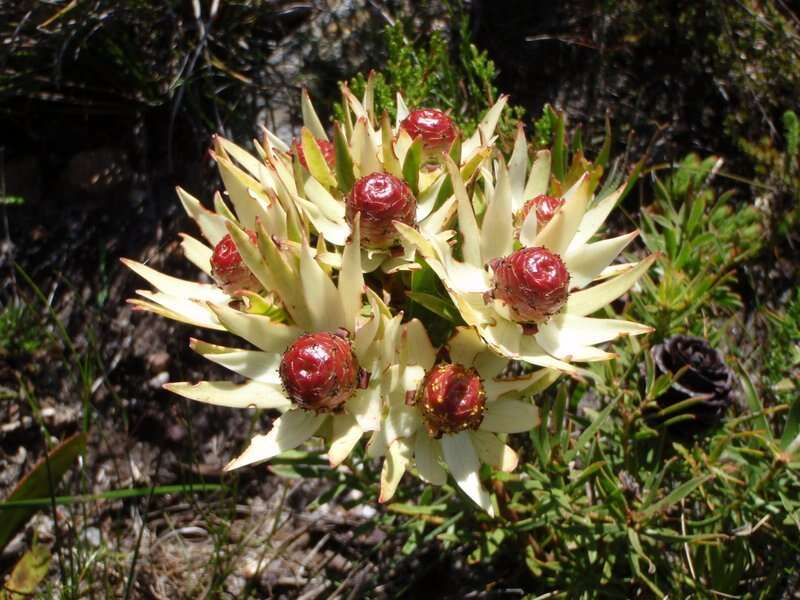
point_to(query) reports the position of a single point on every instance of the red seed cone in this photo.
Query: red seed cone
(436, 129)
(451, 399)
(228, 268)
(327, 148)
(533, 282)
(381, 198)
(319, 371)
(546, 207)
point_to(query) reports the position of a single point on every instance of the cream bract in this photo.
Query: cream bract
(332, 260)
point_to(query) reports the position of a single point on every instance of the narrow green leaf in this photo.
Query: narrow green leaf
(541, 434)
(698, 207)
(605, 151)
(675, 496)
(412, 164)
(344, 162)
(577, 140)
(559, 149)
(37, 483)
(543, 383)
(791, 428)
(390, 161)
(435, 304)
(681, 406)
(590, 431)
(414, 509)
(113, 495)
(586, 473)
(455, 149)
(632, 179)
(754, 402)
(559, 409)
(317, 165)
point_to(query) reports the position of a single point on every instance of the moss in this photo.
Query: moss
(449, 74)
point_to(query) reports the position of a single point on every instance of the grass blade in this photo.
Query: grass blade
(113, 495)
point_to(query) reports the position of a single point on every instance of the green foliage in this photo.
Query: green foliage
(601, 502)
(21, 330)
(791, 127)
(605, 505)
(458, 79)
(701, 238)
(778, 171)
(782, 356)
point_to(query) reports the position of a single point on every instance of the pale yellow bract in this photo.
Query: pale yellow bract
(571, 335)
(310, 268)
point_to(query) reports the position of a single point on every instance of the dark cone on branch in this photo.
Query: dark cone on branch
(706, 378)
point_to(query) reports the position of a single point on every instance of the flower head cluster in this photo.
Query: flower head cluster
(308, 257)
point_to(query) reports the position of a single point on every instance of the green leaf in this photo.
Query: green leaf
(40, 482)
(791, 127)
(540, 436)
(344, 162)
(754, 402)
(435, 304)
(698, 206)
(543, 383)
(27, 574)
(683, 405)
(675, 496)
(299, 464)
(455, 149)
(590, 431)
(414, 509)
(792, 427)
(559, 409)
(586, 473)
(605, 151)
(412, 164)
(390, 162)
(559, 150)
(317, 165)
(120, 494)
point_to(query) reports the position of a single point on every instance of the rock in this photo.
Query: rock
(159, 380)
(158, 362)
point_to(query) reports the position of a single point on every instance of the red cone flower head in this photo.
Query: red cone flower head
(319, 371)
(436, 129)
(452, 399)
(381, 199)
(327, 148)
(228, 268)
(546, 207)
(533, 282)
